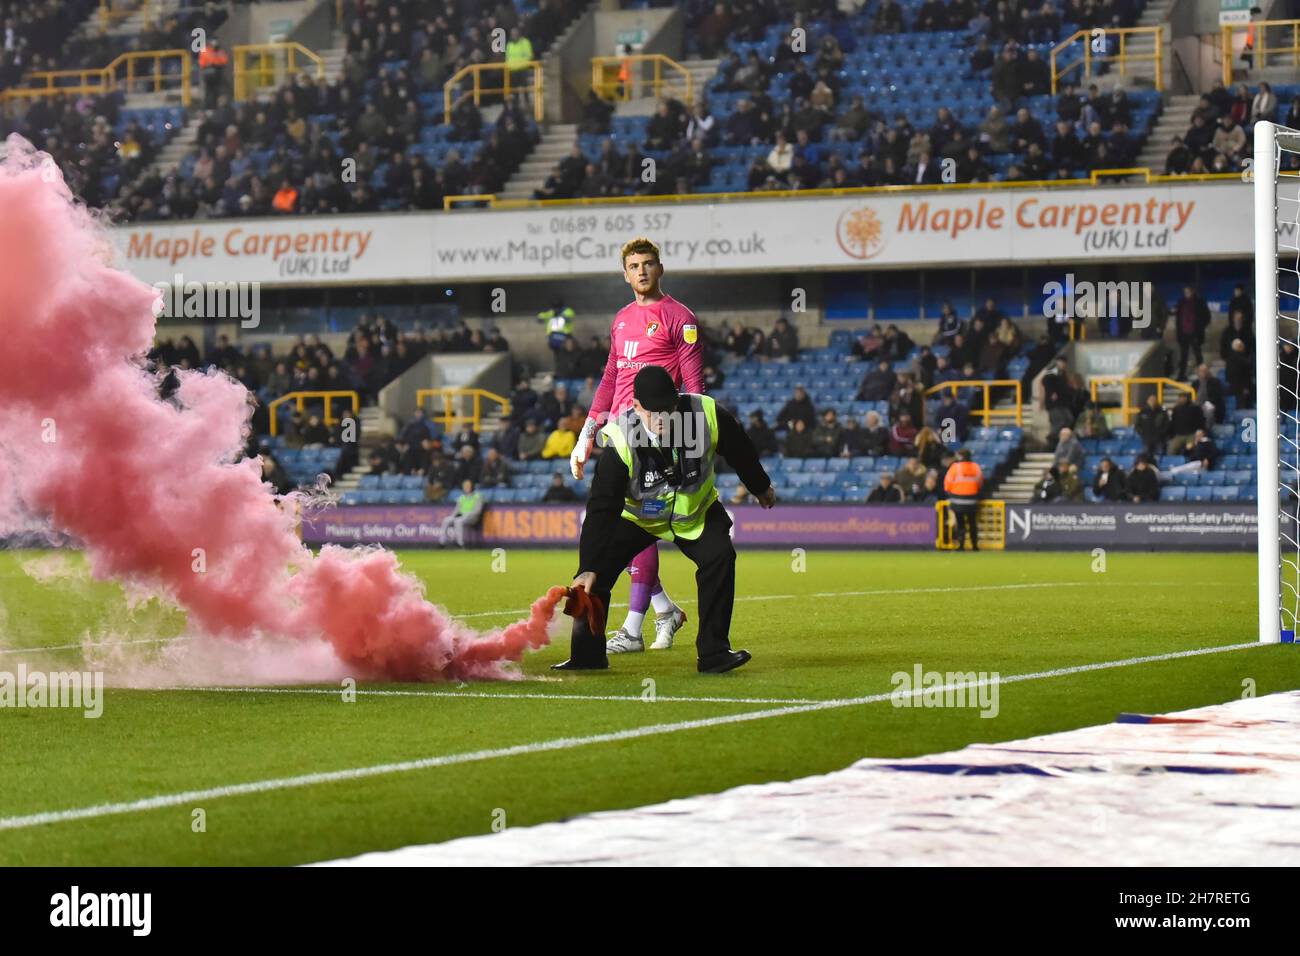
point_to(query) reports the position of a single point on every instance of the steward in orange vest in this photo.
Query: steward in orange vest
(963, 483)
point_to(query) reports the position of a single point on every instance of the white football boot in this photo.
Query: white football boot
(666, 625)
(624, 643)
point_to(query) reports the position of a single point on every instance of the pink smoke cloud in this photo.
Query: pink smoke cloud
(156, 492)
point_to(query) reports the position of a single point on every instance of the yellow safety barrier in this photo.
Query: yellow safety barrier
(1127, 410)
(509, 84)
(450, 418)
(267, 64)
(300, 401)
(449, 202)
(988, 412)
(1266, 37)
(124, 73)
(606, 80)
(990, 521)
(1094, 179)
(1123, 57)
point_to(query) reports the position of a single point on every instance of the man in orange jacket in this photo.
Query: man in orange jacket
(963, 483)
(212, 68)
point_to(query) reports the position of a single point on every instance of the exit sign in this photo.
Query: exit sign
(1234, 12)
(633, 38)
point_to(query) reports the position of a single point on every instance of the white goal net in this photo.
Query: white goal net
(1277, 359)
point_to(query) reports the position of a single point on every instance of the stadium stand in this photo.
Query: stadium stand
(868, 107)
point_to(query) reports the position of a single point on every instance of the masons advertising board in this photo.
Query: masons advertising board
(953, 227)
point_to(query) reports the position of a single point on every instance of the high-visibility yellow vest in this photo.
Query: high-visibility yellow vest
(518, 52)
(650, 502)
(558, 324)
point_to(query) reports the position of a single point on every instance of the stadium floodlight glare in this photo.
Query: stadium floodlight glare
(1277, 425)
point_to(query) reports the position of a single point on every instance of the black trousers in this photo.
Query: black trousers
(715, 583)
(1187, 348)
(965, 515)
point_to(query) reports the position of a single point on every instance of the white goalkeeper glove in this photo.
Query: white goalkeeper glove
(583, 448)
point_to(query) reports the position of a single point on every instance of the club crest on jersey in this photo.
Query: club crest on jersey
(651, 328)
(689, 334)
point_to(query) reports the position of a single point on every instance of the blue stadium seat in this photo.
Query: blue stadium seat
(1173, 493)
(1200, 493)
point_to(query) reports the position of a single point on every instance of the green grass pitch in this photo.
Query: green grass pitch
(838, 629)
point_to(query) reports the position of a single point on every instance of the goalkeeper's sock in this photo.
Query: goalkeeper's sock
(632, 623)
(661, 602)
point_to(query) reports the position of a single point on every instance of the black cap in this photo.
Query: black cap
(654, 389)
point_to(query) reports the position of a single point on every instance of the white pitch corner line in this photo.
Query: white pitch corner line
(563, 743)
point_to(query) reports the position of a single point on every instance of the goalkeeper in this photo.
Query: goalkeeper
(656, 480)
(653, 329)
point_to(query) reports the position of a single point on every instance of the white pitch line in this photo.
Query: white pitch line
(873, 593)
(77, 647)
(658, 698)
(749, 597)
(562, 743)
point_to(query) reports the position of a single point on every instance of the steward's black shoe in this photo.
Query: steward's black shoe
(721, 663)
(570, 665)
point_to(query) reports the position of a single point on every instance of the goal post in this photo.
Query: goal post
(1277, 430)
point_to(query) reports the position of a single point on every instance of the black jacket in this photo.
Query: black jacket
(609, 487)
(1152, 426)
(1113, 490)
(1186, 419)
(880, 495)
(1143, 484)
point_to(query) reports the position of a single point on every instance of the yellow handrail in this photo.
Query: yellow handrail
(509, 85)
(106, 79)
(1123, 57)
(268, 70)
(988, 411)
(1261, 49)
(449, 201)
(300, 399)
(1126, 410)
(448, 418)
(605, 72)
(114, 10)
(1093, 180)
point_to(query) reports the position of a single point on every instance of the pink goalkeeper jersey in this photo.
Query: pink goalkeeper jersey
(663, 333)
